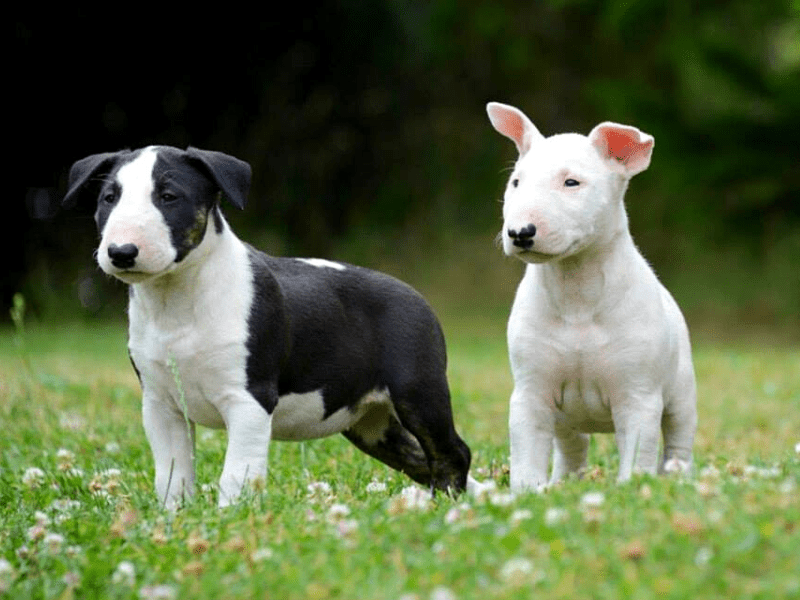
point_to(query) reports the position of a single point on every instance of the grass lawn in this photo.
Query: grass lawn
(78, 516)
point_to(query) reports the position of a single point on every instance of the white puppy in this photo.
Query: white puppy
(596, 343)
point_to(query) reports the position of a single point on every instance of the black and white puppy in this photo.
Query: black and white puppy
(269, 348)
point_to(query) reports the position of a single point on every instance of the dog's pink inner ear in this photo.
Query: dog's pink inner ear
(626, 145)
(513, 124)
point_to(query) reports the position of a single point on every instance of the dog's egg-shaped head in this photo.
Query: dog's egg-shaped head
(565, 191)
(156, 205)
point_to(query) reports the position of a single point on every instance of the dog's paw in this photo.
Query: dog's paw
(479, 489)
(677, 466)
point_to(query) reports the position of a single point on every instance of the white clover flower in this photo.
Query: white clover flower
(319, 491)
(6, 575)
(105, 483)
(73, 551)
(410, 498)
(452, 515)
(516, 569)
(5, 568)
(41, 518)
(346, 527)
(112, 447)
(703, 556)
(591, 503)
(763, 472)
(442, 593)
(797, 448)
(522, 514)
(64, 459)
(71, 579)
(787, 486)
(261, 554)
(64, 505)
(124, 574)
(33, 477)
(709, 472)
(337, 512)
(318, 488)
(376, 487)
(555, 515)
(593, 500)
(158, 592)
(52, 542)
(36, 532)
(501, 498)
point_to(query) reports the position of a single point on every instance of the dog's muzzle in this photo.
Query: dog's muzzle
(524, 237)
(124, 256)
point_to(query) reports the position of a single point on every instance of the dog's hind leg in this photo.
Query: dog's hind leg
(424, 410)
(382, 436)
(421, 444)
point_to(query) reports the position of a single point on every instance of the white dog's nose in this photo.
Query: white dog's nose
(524, 237)
(124, 256)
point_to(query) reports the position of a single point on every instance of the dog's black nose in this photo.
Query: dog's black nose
(124, 256)
(524, 237)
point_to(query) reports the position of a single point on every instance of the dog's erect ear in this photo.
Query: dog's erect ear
(513, 124)
(86, 175)
(625, 148)
(231, 175)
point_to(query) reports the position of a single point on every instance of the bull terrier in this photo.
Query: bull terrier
(225, 336)
(596, 343)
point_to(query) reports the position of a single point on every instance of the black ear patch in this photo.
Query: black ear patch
(87, 174)
(231, 175)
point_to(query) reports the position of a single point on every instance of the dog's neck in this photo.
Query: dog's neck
(176, 292)
(583, 286)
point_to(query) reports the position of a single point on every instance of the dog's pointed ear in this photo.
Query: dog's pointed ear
(86, 175)
(231, 175)
(625, 148)
(513, 124)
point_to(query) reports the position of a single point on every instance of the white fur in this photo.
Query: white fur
(596, 343)
(302, 416)
(323, 263)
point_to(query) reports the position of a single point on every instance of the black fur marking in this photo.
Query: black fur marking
(348, 332)
(184, 196)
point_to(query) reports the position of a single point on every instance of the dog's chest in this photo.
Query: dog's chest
(574, 367)
(190, 346)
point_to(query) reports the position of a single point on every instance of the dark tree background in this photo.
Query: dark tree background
(370, 115)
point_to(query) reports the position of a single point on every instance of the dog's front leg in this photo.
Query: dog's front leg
(637, 428)
(249, 430)
(171, 438)
(531, 429)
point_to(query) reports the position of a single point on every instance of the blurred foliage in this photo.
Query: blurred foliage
(369, 116)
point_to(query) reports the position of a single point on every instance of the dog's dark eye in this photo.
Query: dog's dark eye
(167, 197)
(571, 183)
(109, 198)
(515, 182)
